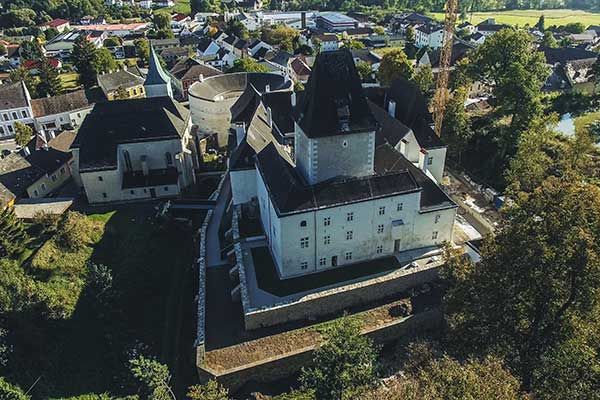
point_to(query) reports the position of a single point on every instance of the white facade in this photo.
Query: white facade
(10, 116)
(72, 118)
(433, 40)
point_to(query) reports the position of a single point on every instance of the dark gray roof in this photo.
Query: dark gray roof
(12, 96)
(261, 53)
(390, 129)
(565, 55)
(230, 39)
(429, 28)
(459, 51)
(125, 78)
(204, 43)
(192, 69)
(290, 194)
(127, 121)
(334, 102)
(16, 175)
(490, 27)
(282, 58)
(240, 44)
(245, 106)
(156, 75)
(281, 109)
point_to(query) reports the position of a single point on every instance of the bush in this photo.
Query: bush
(74, 231)
(47, 223)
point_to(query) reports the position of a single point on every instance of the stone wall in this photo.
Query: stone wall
(340, 298)
(286, 365)
(199, 343)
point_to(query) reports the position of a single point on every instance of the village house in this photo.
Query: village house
(15, 106)
(62, 112)
(61, 46)
(59, 24)
(355, 188)
(186, 72)
(429, 35)
(128, 82)
(571, 68)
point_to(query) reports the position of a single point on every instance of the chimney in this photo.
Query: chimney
(293, 99)
(144, 165)
(267, 88)
(201, 78)
(269, 117)
(392, 108)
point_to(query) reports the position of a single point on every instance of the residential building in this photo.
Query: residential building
(431, 58)
(368, 56)
(134, 149)
(299, 71)
(129, 82)
(174, 54)
(33, 66)
(207, 48)
(61, 46)
(62, 112)
(15, 106)
(59, 24)
(429, 35)
(186, 72)
(347, 195)
(571, 68)
(489, 27)
(335, 22)
(161, 44)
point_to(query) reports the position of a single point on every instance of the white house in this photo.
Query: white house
(347, 195)
(207, 48)
(15, 106)
(65, 111)
(429, 35)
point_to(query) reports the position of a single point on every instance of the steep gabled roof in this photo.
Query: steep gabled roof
(156, 74)
(334, 102)
(13, 96)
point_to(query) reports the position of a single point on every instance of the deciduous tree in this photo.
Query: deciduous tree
(456, 127)
(104, 61)
(423, 77)
(212, 390)
(13, 236)
(153, 376)
(394, 65)
(23, 134)
(247, 65)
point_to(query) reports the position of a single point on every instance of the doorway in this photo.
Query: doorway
(153, 193)
(397, 244)
(334, 261)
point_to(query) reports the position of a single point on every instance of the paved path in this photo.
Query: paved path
(213, 248)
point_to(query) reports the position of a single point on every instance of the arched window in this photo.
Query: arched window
(127, 158)
(169, 159)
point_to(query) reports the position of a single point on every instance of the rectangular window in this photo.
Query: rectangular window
(322, 261)
(303, 224)
(379, 249)
(166, 188)
(429, 160)
(382, 210)
(349, 235)
(350, 216)
(104, 195)
(62, 171)
(1, 130)
(303, 265)
(132, 191)
(53, 178)
(10, 128)
(434, 235)
(326, 221)
(437, 219)
(24, 113)
(6, 118)
(400, 206)
(304, 243)
(43, 187)
(100, 178)
(327, 240)
(15, 116)
(380, 228)
(348, 255)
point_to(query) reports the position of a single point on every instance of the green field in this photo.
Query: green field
(181, 6)
(69, 80)
(522, 17)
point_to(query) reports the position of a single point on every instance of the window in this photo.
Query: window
(145, 190)
(1, 130)
(379, 249)
(322, 261)
(345, 143)
(78, 115)
(437, 219)
(6, 118)
(35, 193)
(349, 235)
(382, 210)
(132, 191)
(62, 171)
(434, 235)
(326, 221)
(168, 158)
(429, 160)
(127, 158)
(53, 177)
(304, 243)
(400, 206)
(10, 128)
(303, 224)
(14, 115)
(350, 216)
(104, 195)
(380, 228)
(43, 187)
(327, 240)
(100, 178)
(348, 255)
(303, 265)
(24, 113)
(166, 188)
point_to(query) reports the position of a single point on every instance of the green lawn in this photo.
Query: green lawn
(69, 80)
(584, 120)
(181, 6)
(522, 17)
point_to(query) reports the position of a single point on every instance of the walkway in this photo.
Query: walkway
(213, 247)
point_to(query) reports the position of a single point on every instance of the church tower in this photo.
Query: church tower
(157, 83)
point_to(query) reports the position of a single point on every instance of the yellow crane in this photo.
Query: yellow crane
(441, 91)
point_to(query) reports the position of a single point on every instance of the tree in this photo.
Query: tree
(30, 50)
(596, 73)
(83, 56)
(212, 390)
(11, 392)
(548, 40)
(410, 35)
(23, 134)
(113, 41)
(282, 35)
(2, 50)
(456, 126)
(547, 258)
(142, 48)
(236, 28)
(153, 376)
(364, 70)
(51, 33)
(353, 44)
(343, 365)
(50, 83)
(247, 65)
(574, 27)
(22, 75)
(394, 65)
(541, 24)
(74, 231)
(13, 236)
(424, 79)
(162, 21)
(104, 61)
(509, 64)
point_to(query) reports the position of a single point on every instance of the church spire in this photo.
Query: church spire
(157, 83)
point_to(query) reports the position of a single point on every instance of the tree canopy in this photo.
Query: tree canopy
(394, 64)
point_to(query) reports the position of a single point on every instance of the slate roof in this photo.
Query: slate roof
(245, 106)
(204, 43)
(300, 67)
(282, 58)
(564, 55)
(126, 78)
(174, 52)
(334, 102)
(240, 44)
(13, 96)
(459, 51)
(126, 121)
(366, 55)
(390, 129)
(429, 28)
(281, 109)
(490, 27)
(156, 75)
(60, 104)
(192, 69)
(261, 53)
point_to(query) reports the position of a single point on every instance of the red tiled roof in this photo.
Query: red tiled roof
(30, 64)
(178, 17)
(56, 22)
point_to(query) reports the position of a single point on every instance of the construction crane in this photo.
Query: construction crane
(440, 99)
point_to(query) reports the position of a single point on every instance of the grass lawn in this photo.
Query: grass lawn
(268, 280)
(69, 80)
(148, 307)
(181, 6)
(522, 17)
(382, 50)
(583, 120)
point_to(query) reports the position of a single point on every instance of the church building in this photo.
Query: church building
(333, 181)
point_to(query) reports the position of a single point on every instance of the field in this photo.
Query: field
(522, 17)
(181, 6)
(69, 80)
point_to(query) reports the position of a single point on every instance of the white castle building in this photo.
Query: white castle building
(349, 191)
